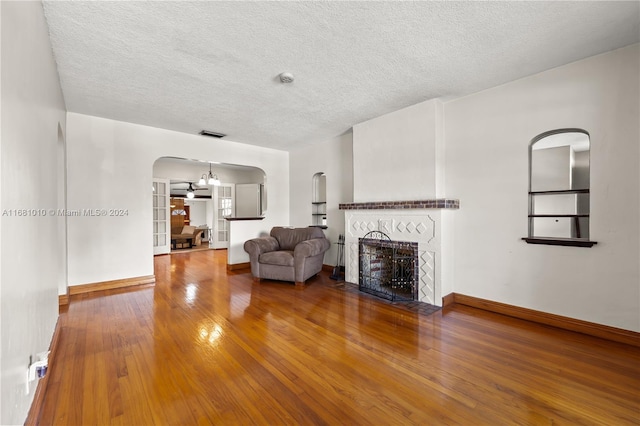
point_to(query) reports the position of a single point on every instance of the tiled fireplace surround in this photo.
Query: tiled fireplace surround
(413, 221)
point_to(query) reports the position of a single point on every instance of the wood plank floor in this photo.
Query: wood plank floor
(204, 346)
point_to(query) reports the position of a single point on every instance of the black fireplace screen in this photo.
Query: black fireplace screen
(388, 269)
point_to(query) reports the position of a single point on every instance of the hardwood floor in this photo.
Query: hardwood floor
(200, 247)
(207, 346)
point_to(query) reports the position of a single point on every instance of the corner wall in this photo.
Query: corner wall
(334, 157)
(31, 257)
(487, 138)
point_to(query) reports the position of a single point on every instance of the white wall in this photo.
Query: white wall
(198, 212)
(61, 190)
(110, 165)
(396, 155)
(30, 254)
(334, 157)
(487, 137)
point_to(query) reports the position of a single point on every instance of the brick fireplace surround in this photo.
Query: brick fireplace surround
(418, 221)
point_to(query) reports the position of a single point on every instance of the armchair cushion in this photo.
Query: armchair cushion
(257, 246)
(280, 257)
(311, 248)
(288, 238)
(288, 254)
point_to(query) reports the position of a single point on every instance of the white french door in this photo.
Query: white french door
(224, 205)
(161, 217)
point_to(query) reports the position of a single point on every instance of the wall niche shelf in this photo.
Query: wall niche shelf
(556, 241)
(560, 191)
(559, 241)
(319, 214)
(319, 201)
(559, 195)
(558, 215)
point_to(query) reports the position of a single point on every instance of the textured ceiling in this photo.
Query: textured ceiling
(189, 66)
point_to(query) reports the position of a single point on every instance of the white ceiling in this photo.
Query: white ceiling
(189, 66)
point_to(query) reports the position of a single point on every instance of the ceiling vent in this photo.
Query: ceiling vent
(212, 134)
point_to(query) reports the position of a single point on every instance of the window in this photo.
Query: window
(559, 188)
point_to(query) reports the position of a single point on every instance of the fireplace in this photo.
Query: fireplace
(388, 269)
(416, 228)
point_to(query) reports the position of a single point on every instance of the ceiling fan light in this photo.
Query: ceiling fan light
(190, 191)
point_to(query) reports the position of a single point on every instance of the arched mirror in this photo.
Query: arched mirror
(559, 188)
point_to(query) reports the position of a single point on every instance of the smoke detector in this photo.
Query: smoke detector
(286, 77)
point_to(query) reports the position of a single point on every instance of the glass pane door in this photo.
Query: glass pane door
(161, 228)
(224, 207)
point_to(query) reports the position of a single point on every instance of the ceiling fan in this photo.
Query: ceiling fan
(190, 190)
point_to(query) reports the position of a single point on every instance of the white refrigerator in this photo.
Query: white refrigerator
(250, 200)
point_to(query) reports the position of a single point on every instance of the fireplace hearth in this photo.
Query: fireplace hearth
(388, 269)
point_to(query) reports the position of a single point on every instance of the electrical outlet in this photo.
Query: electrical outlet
(36, 369)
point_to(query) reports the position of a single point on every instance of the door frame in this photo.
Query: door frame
(215, 241)
(166, 248)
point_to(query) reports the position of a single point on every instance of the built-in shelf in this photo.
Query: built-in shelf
(561, 191)
(319, 214)
(559, 241)
(232, 219)
(558, 215)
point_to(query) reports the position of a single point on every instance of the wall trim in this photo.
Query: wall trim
(108, 285)
(327, 268)
(585, 327)
(448, 300)
(237, 266)
(33, 417)
(63, 299)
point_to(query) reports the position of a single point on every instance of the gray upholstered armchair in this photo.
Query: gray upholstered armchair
(288, 254)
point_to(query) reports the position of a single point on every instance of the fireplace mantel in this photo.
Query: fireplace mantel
(436, 203)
